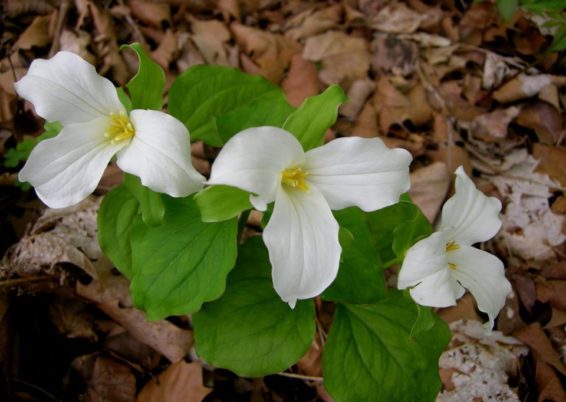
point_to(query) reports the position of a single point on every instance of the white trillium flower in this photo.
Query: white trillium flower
(439, 267)
(302, 233)
(64, 170)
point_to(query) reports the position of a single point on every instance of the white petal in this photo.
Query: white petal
(67, 89)
(253, 160)
(469, 214)
(425, 269)
(359, 171)
(64, 170)
(302, 239)
(159, 154)
(483, 275)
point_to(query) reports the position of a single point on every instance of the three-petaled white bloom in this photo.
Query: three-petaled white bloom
(66, 169)
(439, 267)
(302, 234)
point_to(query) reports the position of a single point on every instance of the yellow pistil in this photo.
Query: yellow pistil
(452, 266)
(120, 128)
(452, 246)
(296, 178)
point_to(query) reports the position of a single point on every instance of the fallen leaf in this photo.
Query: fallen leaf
(112, 297)
(154, 14)
(551, 162)
(71, 319)
(544, 119)
(210, 38)
(36, 34)
(181, 381)
(271, 52)
(390, 53)
(77, 42)
(553, 292)
(493, 126)
(366, 122)
(396, 18)
(533, 335)
(429, 186)
(344, 57)
(525, 86)
(308, 23)
(548, 384)
(107, 379)
(465, 309)
(301, 81)
(167, 50)
(357, 96)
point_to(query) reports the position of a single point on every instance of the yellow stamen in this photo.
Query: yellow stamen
(120, 128)
(296, 178)
(452, 246)
(452, 266)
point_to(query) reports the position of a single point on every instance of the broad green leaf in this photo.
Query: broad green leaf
(124, 99)
(117, 215)
(370, 351)
(317, 114)
(360, 277)
(216, 102)
(151, 203)
(182, 263)
(250, 330)
(220, 203)
(383, 222)
(507, 8)
(146, 87)
(409, 232)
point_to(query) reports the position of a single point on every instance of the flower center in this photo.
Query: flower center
(120, 128)
(452, 246)
(296, 178)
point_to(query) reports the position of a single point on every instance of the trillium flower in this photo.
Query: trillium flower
(64, 170)
(302, 234)
(439, 267)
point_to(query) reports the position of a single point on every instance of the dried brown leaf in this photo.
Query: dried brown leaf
(107, 379)
(366, 123)
(429, 186)
(525, 86)
(553, 292)
(357, 96)
(551, 162)
(301, 81)
(534, 336)
(396, 18)
(493, 126)
(150, 13)
(548, 384)
(210, 37)
(112, 296)
(36, 34)
(308, 24)
(181, 381)
(344, 57)
(167, 50)
(544, 119)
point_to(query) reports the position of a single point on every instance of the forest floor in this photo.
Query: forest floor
(450, 81)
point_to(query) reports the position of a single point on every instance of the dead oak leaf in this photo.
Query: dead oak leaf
(301, 81)
(181, 381)
(150, 13)
(309, 23)
(210, 38)
(344, 58)
(429, 186)
(271, 52)
(396, 18)
(534, 336)
(544, 119)
(36, 34)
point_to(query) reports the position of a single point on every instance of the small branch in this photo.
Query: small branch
(301, 377)
(19, 281)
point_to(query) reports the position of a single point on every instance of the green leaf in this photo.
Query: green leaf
(182, 263)
(370, 351)
(124, 99)
(360, 277)
(318, 113)
(14, 156)
(117, 215)
(151, 203)
(383, 222)
(409, 232)
(146, 87)
(216, 102)
(250, 330)
(507, 8)
(220, 203)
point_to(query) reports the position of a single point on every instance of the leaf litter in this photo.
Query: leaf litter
(449, 81)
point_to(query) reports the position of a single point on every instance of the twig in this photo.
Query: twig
(301, 377)
(35, 387)
(61, 18)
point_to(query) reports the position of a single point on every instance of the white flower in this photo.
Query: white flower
(302, 234)
(66, 169)
(439, 267)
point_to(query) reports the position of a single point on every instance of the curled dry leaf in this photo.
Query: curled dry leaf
(301, 81)
(36, 34)
(396, 18)
(150, 13)
(478, 364)
(107, 379)
(210, 37)
(77, 42)
(167, 50)
(344, 57)
(308, 23)
(271, 52)
(493, 126)
(534, 336)
(357, 95)
(429, 186)
(549, 386)
(390, 53)
(112, 297)
(525, 86)
(553, 292)
(71, 319)
(544, 119)
(59, 236)
(181, 381)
